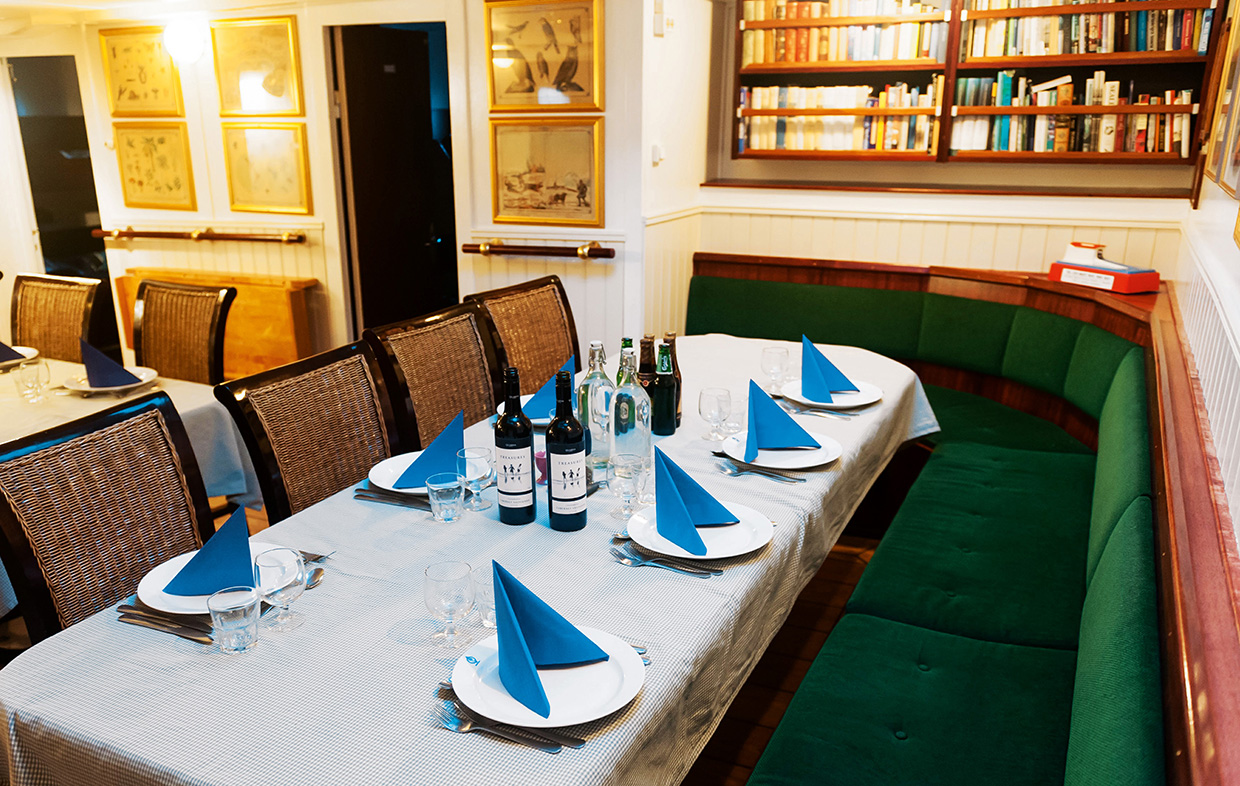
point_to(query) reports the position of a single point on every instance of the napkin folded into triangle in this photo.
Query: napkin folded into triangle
(534, 636)
(223, 561)
(681, 506)
(8, 353)
(544, 400)
(439, 456)
(819, 376)
(770, 428)
(102, 371)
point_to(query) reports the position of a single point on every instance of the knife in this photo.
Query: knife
(176, 630)
(370, 496)
(540, 734)
(165, 619)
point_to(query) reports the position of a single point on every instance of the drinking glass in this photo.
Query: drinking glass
(281, 576)
(449, 593)
(774, 365)
(484, 594)
(626, 475)
(32, 378)
(714, 405)
(477, 467)
(735, 422)
(446, 491)
(234, 619)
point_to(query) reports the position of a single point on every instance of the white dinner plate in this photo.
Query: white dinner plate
(387, 472)
(577, 695)
(865, 394)
(27, 353)
(752, 532)
(791, 458)
(81, 384)
(151, 588)
(542, 420)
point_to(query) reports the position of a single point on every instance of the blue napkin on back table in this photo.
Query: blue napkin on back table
(544, 400)
(223, 561)
(8, 353)
(682, 505)
(533, 636)
(102, 371)
(770, 428)
(819, 376)
(439, 456)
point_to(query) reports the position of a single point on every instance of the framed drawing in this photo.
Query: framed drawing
(141, 78)
(257, 67)
(268, 168)
(155, 165)
(547, 171)
(546, 55)
(1223, 120)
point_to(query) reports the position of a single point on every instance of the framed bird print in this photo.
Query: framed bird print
(546, 55)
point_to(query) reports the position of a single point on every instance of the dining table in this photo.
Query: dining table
(349, 697)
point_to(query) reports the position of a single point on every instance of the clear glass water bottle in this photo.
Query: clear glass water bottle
(594, 396)
(630, 411)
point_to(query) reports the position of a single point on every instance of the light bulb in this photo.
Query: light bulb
(185, 40)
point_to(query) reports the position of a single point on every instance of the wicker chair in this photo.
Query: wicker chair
(88, 508)
(437, 365)
(179, 329)
(535, 325)
(50, 313)
(313, 427)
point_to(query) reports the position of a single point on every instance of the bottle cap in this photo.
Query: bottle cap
(596, 344)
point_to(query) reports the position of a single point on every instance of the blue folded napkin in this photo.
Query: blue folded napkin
(770, 428)
(681, 506)
(223, 561)
(534, 636)
(102, 371)
(8, 353)
(544, 400)
(819, 376)
(439, 456)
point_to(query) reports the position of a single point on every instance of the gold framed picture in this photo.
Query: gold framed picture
(545, 55)
(547, 171)
(141, 78)
(268, 167)
(1223, 119)
(155, 165)
(257, 67)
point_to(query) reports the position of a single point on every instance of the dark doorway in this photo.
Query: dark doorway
(62, 184)
(396, 169)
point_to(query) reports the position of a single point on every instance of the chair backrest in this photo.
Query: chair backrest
(535, 325)
(179, 329)
(313, 427)
(89, 507)
(437, 365)
(50, 313)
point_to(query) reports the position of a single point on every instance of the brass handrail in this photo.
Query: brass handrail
(129, 233)
(590, 250)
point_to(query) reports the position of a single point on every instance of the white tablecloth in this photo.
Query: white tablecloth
(347, 697)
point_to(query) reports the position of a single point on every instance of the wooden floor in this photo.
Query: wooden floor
(730, 755)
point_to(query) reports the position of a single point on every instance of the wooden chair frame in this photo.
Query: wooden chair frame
(19, 282)
(536, 283)
(219, 317)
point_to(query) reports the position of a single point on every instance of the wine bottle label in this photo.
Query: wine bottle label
(514, 477)
(566, 472)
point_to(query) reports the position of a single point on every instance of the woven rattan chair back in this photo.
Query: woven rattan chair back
(178, 329)
(313, 427)
(535, 325)
(437, 365)
(90, 507)
(50, 313)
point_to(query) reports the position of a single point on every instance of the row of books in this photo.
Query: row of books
(904, 41)
(1134, 31)
(759, 10)
(840, 132)
(1096, 133)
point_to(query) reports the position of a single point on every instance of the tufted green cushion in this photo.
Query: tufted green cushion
(963, 333)
(965, 417)
(1040, 348)
(1123, 471)
(1117, 734)
(883, 321)
(888, 703)
(1094, 360)
(989, 543)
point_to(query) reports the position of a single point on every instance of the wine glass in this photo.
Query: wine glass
(626, 475)
(714, 405)
(281, 577)
(774, 365)
(477, 467)
(449, 593)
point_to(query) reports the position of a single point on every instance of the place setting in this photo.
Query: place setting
(104, 376)
(446, 478)
(773, 443)
(824, 390)
(12, 357)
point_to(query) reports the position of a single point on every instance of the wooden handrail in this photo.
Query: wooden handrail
(591, 250)
(129, 233)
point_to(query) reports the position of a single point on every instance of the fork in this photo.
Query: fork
(795, 409)
(631, 550)
(733, 469)
(453, 722)
(550, 736)
(625, 559)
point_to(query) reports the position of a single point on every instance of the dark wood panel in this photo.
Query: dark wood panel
(1074, 189)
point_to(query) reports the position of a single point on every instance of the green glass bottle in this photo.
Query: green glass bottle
(663, 396)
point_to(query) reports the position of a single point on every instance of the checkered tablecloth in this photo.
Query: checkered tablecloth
(347, 698)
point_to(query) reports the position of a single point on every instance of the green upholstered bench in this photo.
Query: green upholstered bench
(1005, 630)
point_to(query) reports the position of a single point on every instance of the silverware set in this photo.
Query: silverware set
(734, 467)
(370, 493)
(61, 390)
(627, 555)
